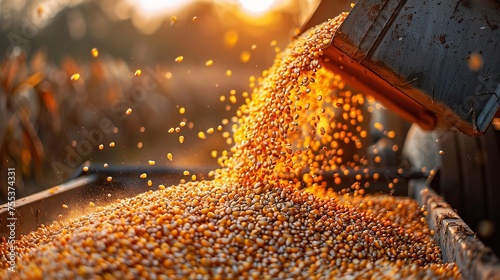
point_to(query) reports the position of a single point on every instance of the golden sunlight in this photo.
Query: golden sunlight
(256, 6)
(157, 7)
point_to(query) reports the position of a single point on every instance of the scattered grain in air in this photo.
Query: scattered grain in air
(186, 173)
(195, 19)
(173, 19)
(202, 135)
(193, 177)
(161, 187)
(65, 206)
(60, 216)
(94, 52)
(170, 156)
(273, 43)
(137, 72)
(109, 179)
(144, 176)
(245, 56)
(75, 77)
(182, 110)
(441, 152)
(229, 73)
(105, 165)
(150, 183)
(115, 130)
(171, 130)
(180, 58)
(475, 62)
(219, 127)
(101, 146)
(181, 139)
(222, 98)
(129, 111)
(233, 99)
(182, 124)
(209, 62)
(378, 125)
(177, 129)
(214, 154)
(91, 204)
(391, 134)
(253, 47)
(230, 38)
(109, 195)
(140, 145)
(337, 181)
(210, 130)
(151, 162)
(39, 10)
(112, 144)
(169, 75)
(352, 5)
(85, 168)
(142, 129)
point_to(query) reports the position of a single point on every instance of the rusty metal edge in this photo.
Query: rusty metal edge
(457, 241)
(30, 212)
(83, 187)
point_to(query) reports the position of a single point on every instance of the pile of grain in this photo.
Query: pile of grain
(247, 222)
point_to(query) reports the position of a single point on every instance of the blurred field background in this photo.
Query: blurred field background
(59, 100)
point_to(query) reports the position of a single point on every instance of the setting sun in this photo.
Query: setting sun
(256, 6)
(155, 7)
